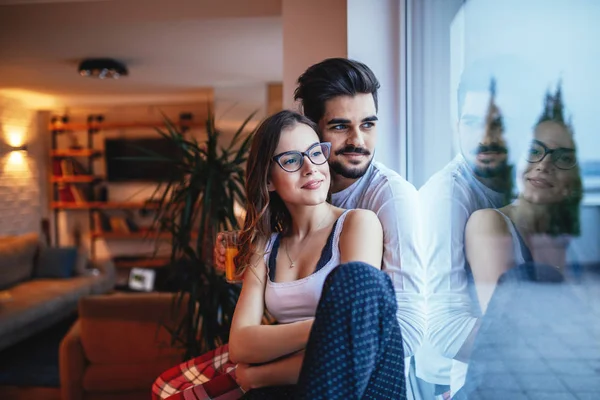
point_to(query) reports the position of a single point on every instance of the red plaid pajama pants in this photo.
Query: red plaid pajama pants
(208, 377)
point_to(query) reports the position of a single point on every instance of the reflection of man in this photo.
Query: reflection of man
(477, 178)
(487, 156)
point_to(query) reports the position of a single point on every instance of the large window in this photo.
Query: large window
(493, 87)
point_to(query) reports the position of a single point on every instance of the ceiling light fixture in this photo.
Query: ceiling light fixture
(102, 68)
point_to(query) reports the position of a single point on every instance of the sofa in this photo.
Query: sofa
(119, 346)
(41, 285)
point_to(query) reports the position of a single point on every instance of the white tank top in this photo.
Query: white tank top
(297, 300)
(521, 253)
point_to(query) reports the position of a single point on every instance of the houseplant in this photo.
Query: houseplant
(193, 207)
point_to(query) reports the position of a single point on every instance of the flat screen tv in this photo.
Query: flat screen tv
(121, 168)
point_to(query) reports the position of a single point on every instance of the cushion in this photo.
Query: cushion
(17, 256)
(118, 377)
(57, 262)
(39, 303)
(81, 266)
(127, 328)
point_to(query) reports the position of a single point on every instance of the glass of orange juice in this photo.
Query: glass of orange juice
(231, 249)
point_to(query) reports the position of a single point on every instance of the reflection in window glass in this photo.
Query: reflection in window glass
(510, 221)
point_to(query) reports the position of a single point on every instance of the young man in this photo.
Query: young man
(340, 95)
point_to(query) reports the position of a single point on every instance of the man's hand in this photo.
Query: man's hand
(219, 253)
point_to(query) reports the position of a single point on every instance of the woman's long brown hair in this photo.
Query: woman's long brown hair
(265, 211)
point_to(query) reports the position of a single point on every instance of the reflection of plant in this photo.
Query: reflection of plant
(494, 116)
(554, 109)
(201, 203)
(495, 123)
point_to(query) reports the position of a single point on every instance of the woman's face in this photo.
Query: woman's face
(310, 184)
(546, 181)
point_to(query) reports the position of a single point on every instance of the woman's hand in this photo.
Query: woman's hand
(284, 371)
(244, 377)
(219, 253)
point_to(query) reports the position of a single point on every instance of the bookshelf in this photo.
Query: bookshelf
(142, 234)
(153, 263)
(75, 179)
(102, 205)
(64, 153)
(74, 183)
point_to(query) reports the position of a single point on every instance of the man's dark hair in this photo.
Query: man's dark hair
(331, 78)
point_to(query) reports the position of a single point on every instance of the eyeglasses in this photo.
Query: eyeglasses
(292, 161)
(562, 158)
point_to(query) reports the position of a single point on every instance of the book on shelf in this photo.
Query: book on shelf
(131, 224)
(78, 168)
(56, 168)
(70, 194)
(68, 167)
(117, 224)
(101, 222)
(78, 194)
(65, 194)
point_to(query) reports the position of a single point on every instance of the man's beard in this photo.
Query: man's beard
(350, 172)
(490, 172)
(485, 171)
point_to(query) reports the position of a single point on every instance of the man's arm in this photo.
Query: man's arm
(397, 211)
(444, 215)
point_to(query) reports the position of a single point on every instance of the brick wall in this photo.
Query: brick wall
(20, 200)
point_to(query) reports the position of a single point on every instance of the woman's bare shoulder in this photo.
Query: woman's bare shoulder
(362, 220)
(487, 221)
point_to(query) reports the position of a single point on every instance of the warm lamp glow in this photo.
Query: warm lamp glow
(16, 158)
(16, 165)
(15, 137)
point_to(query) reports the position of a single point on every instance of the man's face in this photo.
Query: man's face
(350, 124)
(481, 136)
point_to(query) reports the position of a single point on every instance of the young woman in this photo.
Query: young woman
(535, 227)
(315, 268)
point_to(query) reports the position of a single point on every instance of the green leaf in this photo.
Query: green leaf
(240, 130)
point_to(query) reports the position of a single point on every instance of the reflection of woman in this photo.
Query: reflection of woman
(535, 227)
(311, 265)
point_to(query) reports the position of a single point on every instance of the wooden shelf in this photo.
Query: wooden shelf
(99, 205)
(119, 125)
(75, 179)
(71, 205)
(143, 263)
(115, 205)
(130, 235)
(75, 153)
(143, 234)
